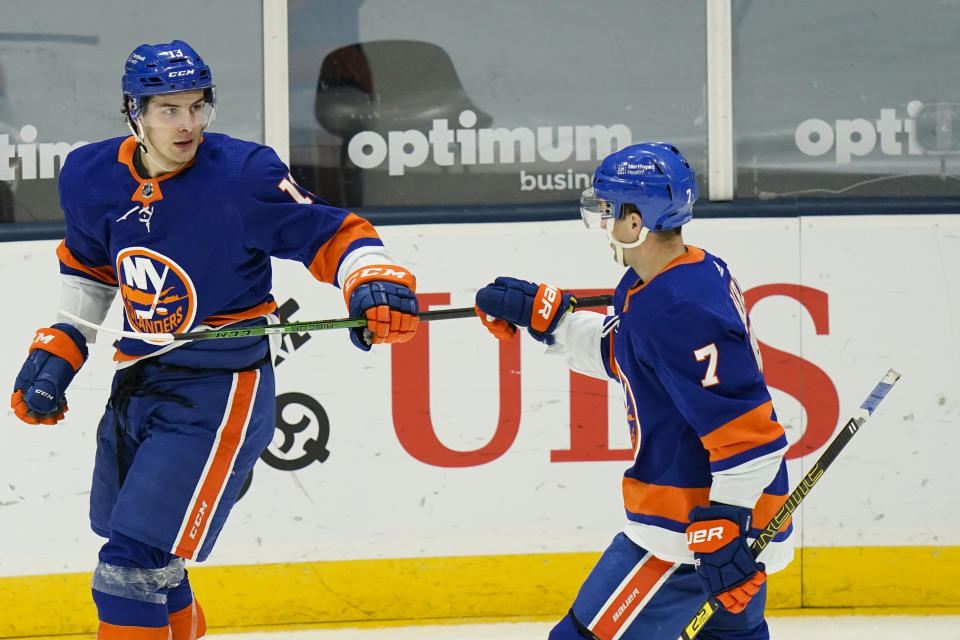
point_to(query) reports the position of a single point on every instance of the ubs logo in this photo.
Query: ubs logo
(158, 294)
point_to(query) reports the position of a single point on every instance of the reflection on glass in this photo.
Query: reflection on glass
(417, 103)
(851, 99)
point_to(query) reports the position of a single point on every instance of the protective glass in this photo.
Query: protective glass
(167, 114)
(594, 210)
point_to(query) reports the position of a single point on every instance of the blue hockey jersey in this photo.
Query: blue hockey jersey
(192, 248)
(700, 416)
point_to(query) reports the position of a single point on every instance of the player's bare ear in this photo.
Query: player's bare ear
(630, 213)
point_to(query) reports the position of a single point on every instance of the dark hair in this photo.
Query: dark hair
(125, 109)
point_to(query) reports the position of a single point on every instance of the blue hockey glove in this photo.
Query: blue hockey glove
(55, 356)
(717, 535)
(525, 304)
(384, 295)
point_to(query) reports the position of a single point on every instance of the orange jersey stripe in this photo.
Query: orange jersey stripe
(633, 594)
(261, 309)
(107, 631)
(258, 311)
(662, 501)
(325, 261)
(125, 156)
(752, 429)
(120, 356)
(214, 478)
(104, 274)
(614, 367)
(767, 505)
(675, 503)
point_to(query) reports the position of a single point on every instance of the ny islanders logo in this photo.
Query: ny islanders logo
(158, 294)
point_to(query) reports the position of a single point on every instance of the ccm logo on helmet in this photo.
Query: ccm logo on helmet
(704, 535)
(177, 74)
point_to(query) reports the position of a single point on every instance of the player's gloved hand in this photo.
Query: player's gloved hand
(384, 295)
(55, 356)
(501, 329)
(509, 301)
(717, 535)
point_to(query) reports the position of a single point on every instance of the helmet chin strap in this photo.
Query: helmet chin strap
(618, 246)
(140, 135)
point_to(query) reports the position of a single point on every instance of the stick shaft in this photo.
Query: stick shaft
(301, 327)
(804, 487)
(346, 323)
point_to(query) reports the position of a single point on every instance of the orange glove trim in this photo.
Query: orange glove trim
(23, 412)
(706, 536)
(388, 272)
(546, 305)
(501, 329)
(59, 344)
(735, 600)
(389, 325)
(20, 408)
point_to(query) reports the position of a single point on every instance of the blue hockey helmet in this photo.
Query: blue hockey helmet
(653, 176)
(156, 69)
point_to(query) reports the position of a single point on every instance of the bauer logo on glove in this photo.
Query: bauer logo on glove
(545, 300)
(520, 303)
(717, 535)
(710, 536)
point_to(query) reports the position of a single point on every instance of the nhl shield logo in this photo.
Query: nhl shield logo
(147, 190)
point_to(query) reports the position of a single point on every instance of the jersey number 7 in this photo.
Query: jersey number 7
(710, 353)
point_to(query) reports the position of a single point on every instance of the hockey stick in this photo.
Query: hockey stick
(310, 325)
(802, 489)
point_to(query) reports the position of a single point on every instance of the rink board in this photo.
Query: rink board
(532, 586)
(477, 473)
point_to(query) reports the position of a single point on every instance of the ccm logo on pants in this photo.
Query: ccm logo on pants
(216, 472)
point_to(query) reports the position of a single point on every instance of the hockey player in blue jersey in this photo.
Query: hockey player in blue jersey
(183, 224)
(708, 471)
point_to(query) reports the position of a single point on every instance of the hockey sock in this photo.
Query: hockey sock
(186, 616)
(130, 587)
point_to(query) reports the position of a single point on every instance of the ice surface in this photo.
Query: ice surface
(781, 628)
